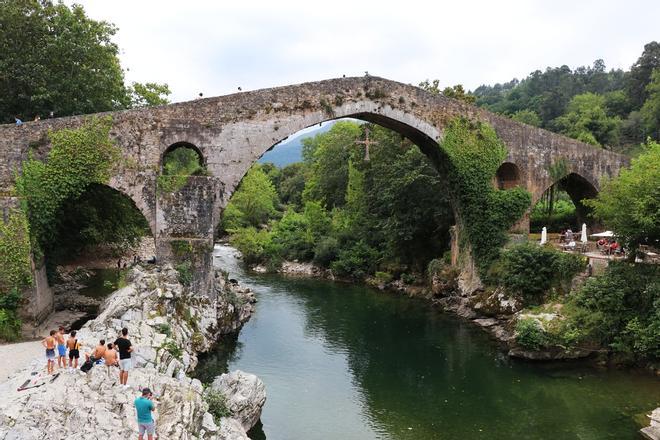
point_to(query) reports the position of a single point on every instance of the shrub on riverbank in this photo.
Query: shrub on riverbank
(620, 309)
(531, 271)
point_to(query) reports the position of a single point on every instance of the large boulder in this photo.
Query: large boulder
(245, 395)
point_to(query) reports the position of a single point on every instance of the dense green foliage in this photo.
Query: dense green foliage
(530, 270)
(485, 213)
(15, 271)
(630, 203)
(562, 217)
(253, 204)
(217, 404)
(531, 335)
(179, 164)
(55, 58)
(611, 108)
(100, 215)
(77, 159)
(390, 213)
(619, 309)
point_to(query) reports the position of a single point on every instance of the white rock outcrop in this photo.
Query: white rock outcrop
(168, 326)
(245, 396)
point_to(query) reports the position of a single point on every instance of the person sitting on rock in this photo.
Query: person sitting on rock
(49, 344)
(74, 350)
(99, 351)
(110, 357)
(144, 406)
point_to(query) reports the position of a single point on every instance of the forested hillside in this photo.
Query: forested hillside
(615, 109)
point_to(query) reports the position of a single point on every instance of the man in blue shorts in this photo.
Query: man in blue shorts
(144, 406)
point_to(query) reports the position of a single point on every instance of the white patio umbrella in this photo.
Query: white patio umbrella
(544, 235)
(583, 237)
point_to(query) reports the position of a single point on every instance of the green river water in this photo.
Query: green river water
(347, 362)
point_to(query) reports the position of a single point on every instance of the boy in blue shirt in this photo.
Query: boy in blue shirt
(144, 406)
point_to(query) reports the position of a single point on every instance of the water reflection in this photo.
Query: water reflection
(343, 361)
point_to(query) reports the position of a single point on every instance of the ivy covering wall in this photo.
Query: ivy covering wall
(78, 158)
(485, 214)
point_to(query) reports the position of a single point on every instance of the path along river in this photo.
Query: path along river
(346, 362)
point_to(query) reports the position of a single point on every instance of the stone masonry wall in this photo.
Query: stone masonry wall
(232, 132)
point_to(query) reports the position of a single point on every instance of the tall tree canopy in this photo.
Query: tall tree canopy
(55, 58)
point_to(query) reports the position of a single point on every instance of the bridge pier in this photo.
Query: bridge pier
(185, 225)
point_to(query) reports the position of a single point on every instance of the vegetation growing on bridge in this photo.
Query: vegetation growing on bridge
(485, 214)
(65, 199)
(15, 271)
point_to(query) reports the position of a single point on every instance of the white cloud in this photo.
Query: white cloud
(215, 46)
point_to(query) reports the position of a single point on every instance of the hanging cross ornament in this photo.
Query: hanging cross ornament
(366, 142)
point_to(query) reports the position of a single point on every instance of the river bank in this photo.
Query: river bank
(169, 326)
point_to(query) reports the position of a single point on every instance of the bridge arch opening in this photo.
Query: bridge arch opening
(345, 193)
(561, 205)
(182, 158)
(508, 176)
(97, 236)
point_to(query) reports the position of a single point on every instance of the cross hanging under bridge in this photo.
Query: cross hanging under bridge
(366, 142)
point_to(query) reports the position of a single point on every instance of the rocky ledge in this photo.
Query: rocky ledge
(168, 326)
(652, 432)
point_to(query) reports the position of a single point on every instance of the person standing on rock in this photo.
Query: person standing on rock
(61, 348)
(49, 343)
(74, 350)
(125, 362)
(144, 406)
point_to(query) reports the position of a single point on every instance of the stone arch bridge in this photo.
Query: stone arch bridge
(231, 132)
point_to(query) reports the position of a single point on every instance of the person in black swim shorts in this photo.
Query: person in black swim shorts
(74, 350)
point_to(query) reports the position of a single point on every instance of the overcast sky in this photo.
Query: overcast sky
(215, 46)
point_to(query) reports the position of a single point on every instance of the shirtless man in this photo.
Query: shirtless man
(99, 351)
(49, 344)
(61, 348)
(74, 350)
(111, 358)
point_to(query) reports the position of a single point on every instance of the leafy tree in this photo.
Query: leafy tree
(619, 309)
(55, 58)
(148, 94)
(641, 72)
(182, 161)
(432, 87)
(77, 159)
(458, 92)
(650, 111)
(455, 92)
(528, 117)
(586, 119)
(254, 201)
(100, 215)
(630, 203)
(291, 184)
(328, 154)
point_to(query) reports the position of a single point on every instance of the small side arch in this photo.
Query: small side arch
(178, 145)
(508, 176)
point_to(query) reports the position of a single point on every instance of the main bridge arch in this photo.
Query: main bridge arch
(232, 132)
